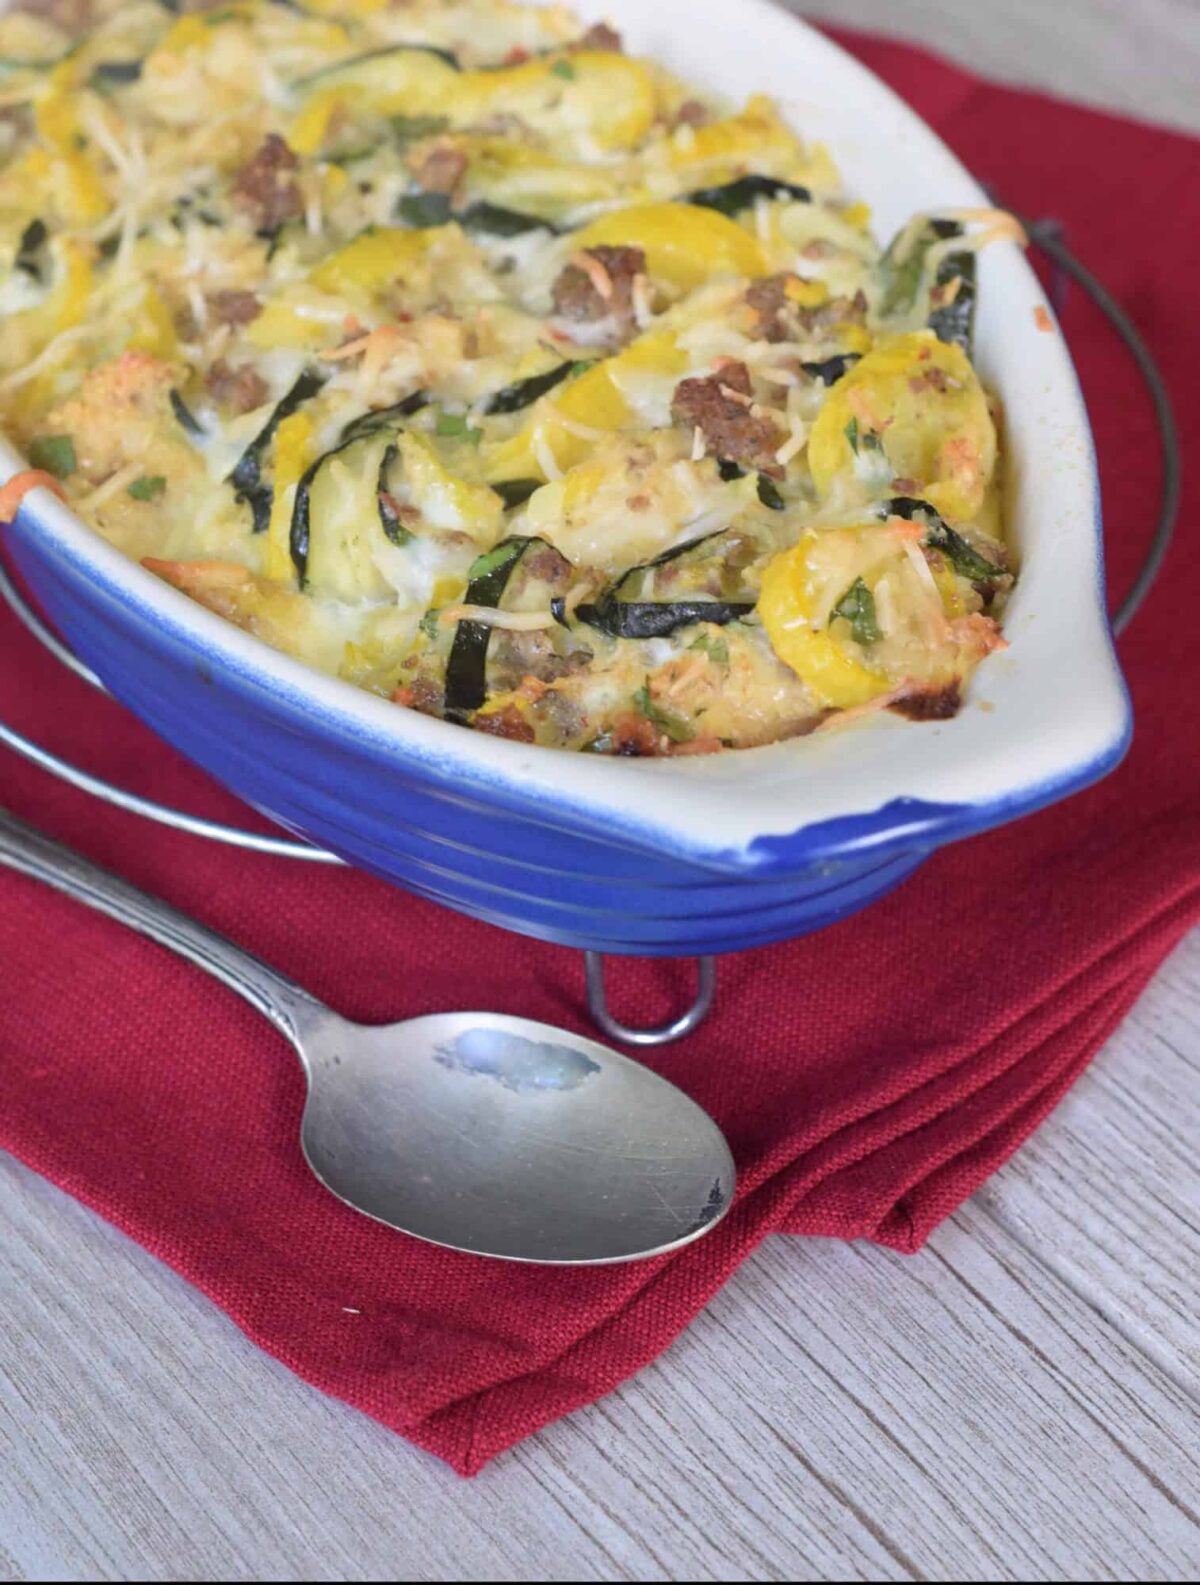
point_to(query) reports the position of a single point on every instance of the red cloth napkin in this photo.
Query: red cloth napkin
(869, 1078)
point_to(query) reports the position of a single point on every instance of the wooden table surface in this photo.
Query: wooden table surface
(1017, 1402)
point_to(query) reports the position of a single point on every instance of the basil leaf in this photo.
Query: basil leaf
(457, 426)
(148, 488)
(678, 731)
(54, 454)
(857, 606)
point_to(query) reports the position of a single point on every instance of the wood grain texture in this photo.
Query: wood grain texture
(1136, 57)
(1017, 1402)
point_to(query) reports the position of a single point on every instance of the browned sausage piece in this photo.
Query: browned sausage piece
(233, 308)
(508, 723)
(601, 37)
(266, 188)
(781, 319)
(721, 407)
(439, 169)
(239, 387)
(598, 284)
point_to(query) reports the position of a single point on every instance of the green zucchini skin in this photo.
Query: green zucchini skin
(656, 618)
(525, 392)
(941, 537)
(621, 618)
(495, 221)
(425, 211)
(300, 528)
(953, 322)
(300, 531)
(30, 259)
(186, 419)
(391, 524)
(246, 477)
(117, 73)
(515, 492)
(383, 417)
(768, 490)
(731, 198)
(768, 494)
(448, 56)
(466, 668)
(832, 369)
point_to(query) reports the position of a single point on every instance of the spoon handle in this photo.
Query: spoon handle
(30, 853)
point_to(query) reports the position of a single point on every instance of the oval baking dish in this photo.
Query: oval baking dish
(676, 856)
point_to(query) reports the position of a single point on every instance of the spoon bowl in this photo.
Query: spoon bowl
(505, 1137)
(485, 1133)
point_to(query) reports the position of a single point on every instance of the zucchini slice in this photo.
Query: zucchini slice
(731, 198)
(426, 211)
(768, 490)
(352, 67)
(523, 393)
(494, 220)
(515, 492)
(31, 256)
(620, 617)
(383, 417)
(830, 371)
(186, 419)
(246, 478)
(466, 669)
(964, 558)
(113, 74)
(956, 279)
(337, 514)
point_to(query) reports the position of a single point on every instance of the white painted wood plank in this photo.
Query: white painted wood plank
(1134, 57)
(1109, 1195)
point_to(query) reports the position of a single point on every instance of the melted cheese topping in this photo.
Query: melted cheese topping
(375, 327)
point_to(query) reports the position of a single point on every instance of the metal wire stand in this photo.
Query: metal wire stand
(1044, 234)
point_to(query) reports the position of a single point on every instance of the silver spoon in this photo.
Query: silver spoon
(493, 1135)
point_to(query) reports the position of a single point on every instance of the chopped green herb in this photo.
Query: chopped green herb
(353, 156)
(409, 128)
(715, 648)
(603, 744)
(964, 558)
(565, 70)
(148, 487)
(857, 606)
(457, 426)
(429, 624)
(425, 210)
(862, 439)
(678, 731)
(54, 454)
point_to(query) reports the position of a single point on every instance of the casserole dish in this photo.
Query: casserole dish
(683, 856)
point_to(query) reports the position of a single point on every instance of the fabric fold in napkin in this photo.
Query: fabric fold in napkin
(869, 1078)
